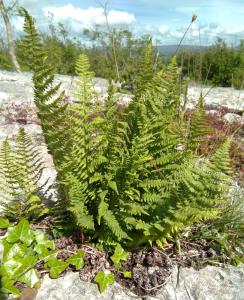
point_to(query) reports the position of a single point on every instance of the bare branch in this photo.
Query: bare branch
(10, 36)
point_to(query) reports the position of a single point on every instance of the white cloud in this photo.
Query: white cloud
(163, 29)
(90, 16)
(120, 17)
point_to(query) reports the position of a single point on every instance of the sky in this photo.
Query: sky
(164, 20)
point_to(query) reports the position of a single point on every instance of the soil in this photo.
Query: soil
(150, 270)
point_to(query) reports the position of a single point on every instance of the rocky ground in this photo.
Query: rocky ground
(210, 283)
(213, 283)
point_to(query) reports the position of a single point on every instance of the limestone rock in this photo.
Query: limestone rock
(18, 87)
(232, 118)
(208, 283)
(216, 97)
(70, 287)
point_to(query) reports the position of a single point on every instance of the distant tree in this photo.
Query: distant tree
(222, 60)
(111, 33)
(11, 45)
(219, 64)
(238, 75)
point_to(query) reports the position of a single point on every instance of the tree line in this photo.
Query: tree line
(115, 54)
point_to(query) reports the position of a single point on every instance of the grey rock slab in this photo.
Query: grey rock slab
(10, 130)
(232, 118)
(18, 87)
(215, 97)
(211, 283)
(70, 287)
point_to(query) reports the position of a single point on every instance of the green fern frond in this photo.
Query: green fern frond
(48, 100)
(198, 127)
(21, 193)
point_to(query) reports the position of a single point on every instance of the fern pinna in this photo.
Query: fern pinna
(134, 176)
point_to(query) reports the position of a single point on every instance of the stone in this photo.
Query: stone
(207, 283)
(184, 284)
(215, 97)
(232, 118)
(2, 119)
(213, 112)
(18, 87)
(70, 287)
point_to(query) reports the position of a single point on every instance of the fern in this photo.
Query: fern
(124, 178)
(21, 193)
(203, 191)
(136, 184)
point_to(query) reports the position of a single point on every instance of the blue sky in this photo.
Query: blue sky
(164, 20)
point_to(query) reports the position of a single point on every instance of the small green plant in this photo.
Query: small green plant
(103, 280)
(119, 255)
(23, 249)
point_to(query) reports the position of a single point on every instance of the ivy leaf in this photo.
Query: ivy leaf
(25, 264)
(21, 232)
(10, 250)
(8, 287)
(119, 254)
(9, 268)
(42, 240)
(44, 253)
(103, 280)
(30, 278)
(77, 260)
(56, 267)
(40, 236)
(4, 223)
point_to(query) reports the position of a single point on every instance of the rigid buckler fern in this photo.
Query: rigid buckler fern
(124, 177)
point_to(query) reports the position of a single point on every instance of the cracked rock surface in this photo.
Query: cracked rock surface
(210, 283)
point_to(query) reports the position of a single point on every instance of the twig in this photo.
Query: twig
(40, 227)
(158, 286)
(165, 255)
(44, 271)
(73, 252)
